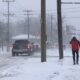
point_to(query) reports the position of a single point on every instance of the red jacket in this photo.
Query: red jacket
(74, 44)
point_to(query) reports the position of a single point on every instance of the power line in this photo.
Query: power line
(71, 17)
(71, 8)
(70, 2)
(71, 11)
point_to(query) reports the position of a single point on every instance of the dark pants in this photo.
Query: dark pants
(75, 54)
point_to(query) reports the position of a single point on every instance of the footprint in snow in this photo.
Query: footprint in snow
(54, 75)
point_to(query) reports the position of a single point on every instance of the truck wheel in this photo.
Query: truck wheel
(17, 54)
(13, 54)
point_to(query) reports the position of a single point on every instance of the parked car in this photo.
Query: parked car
(21, 47)
(36, 47)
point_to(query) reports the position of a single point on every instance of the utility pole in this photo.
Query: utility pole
(28, 13)
(43, 31)
(51, 29)
(8, 22)
(60, 38)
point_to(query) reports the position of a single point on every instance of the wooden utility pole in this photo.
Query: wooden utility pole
(51, 31)
(60, 38)
(28, 13)
(8, 22)
(43, 31)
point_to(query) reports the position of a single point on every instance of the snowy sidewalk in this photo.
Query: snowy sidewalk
(68, 73)
(33, 69)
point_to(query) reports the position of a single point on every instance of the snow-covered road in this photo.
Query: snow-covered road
(7, 61)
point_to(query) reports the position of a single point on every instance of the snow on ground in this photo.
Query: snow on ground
(54, 52)
(31, 68)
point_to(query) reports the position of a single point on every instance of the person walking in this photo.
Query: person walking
(75, 49)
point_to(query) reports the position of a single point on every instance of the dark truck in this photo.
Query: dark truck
(21, 47)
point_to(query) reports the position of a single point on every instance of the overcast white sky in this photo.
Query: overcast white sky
(70, 12)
